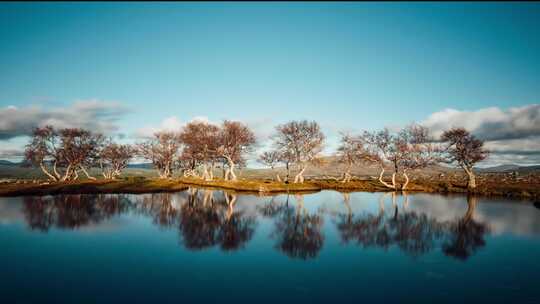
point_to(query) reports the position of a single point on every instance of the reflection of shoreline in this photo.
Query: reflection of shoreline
(207, 218)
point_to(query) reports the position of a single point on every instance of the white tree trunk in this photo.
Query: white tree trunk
(406, 179)
(162, 173)
(116, 173)
(383, 182)
(347, 175)
(211, 172)
(86, 173)
(231, 170)
(299, 178)
(67, 174)
(205, 174)
(58, 177)
(471, 183)
(51, 177)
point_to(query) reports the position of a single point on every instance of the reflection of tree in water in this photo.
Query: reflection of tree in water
(298, 233)
(414, 233)
(159, 207)
(236, 229)
(202, 219)
(212, 221)
(368, 230)
(273, 208)
(207, 218)
(199, 221)
(466, 235)
(70, 211)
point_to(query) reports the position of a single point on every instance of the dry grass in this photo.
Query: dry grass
(260, 181)
(253, 185)
(130, 185)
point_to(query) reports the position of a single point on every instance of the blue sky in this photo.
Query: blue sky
(350, 66)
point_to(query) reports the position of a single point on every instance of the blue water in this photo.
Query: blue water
(212, 246)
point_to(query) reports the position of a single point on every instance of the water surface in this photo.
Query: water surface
(212, 246)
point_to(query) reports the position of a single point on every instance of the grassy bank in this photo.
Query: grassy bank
(131, 185)
(146, 185)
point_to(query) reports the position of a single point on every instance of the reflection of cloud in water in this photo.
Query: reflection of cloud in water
(10, 210)
(502, 216)
(517, 219)
(112, 224)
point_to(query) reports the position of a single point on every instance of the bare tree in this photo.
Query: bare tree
(409, 149)
(42, 149)
(419, 150)
(286, 157)
(270, 159)
(113, 158)
(350, 152)
(201, 142)
(78, 149)
(464, 149)
(163, 151)
(383, 147)
(300, 140)
(69, 150)
(188, 164)
(274, 157)
(235, 139)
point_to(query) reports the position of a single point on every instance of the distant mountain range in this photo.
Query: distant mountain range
(510, 168)
(141, 166)
(495, 169)
(8, 163)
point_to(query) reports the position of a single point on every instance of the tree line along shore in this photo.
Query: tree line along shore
(191, 155)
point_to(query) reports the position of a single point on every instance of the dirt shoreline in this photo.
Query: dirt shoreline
(133, 185)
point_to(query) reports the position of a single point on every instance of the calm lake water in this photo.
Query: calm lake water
(211, 246)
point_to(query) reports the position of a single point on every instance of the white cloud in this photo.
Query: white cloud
(489, 123)
(262, 128)
(512, 135)
(172, 123)
(200, 119)
(96, 115)
(11, 153)
(168, 124)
